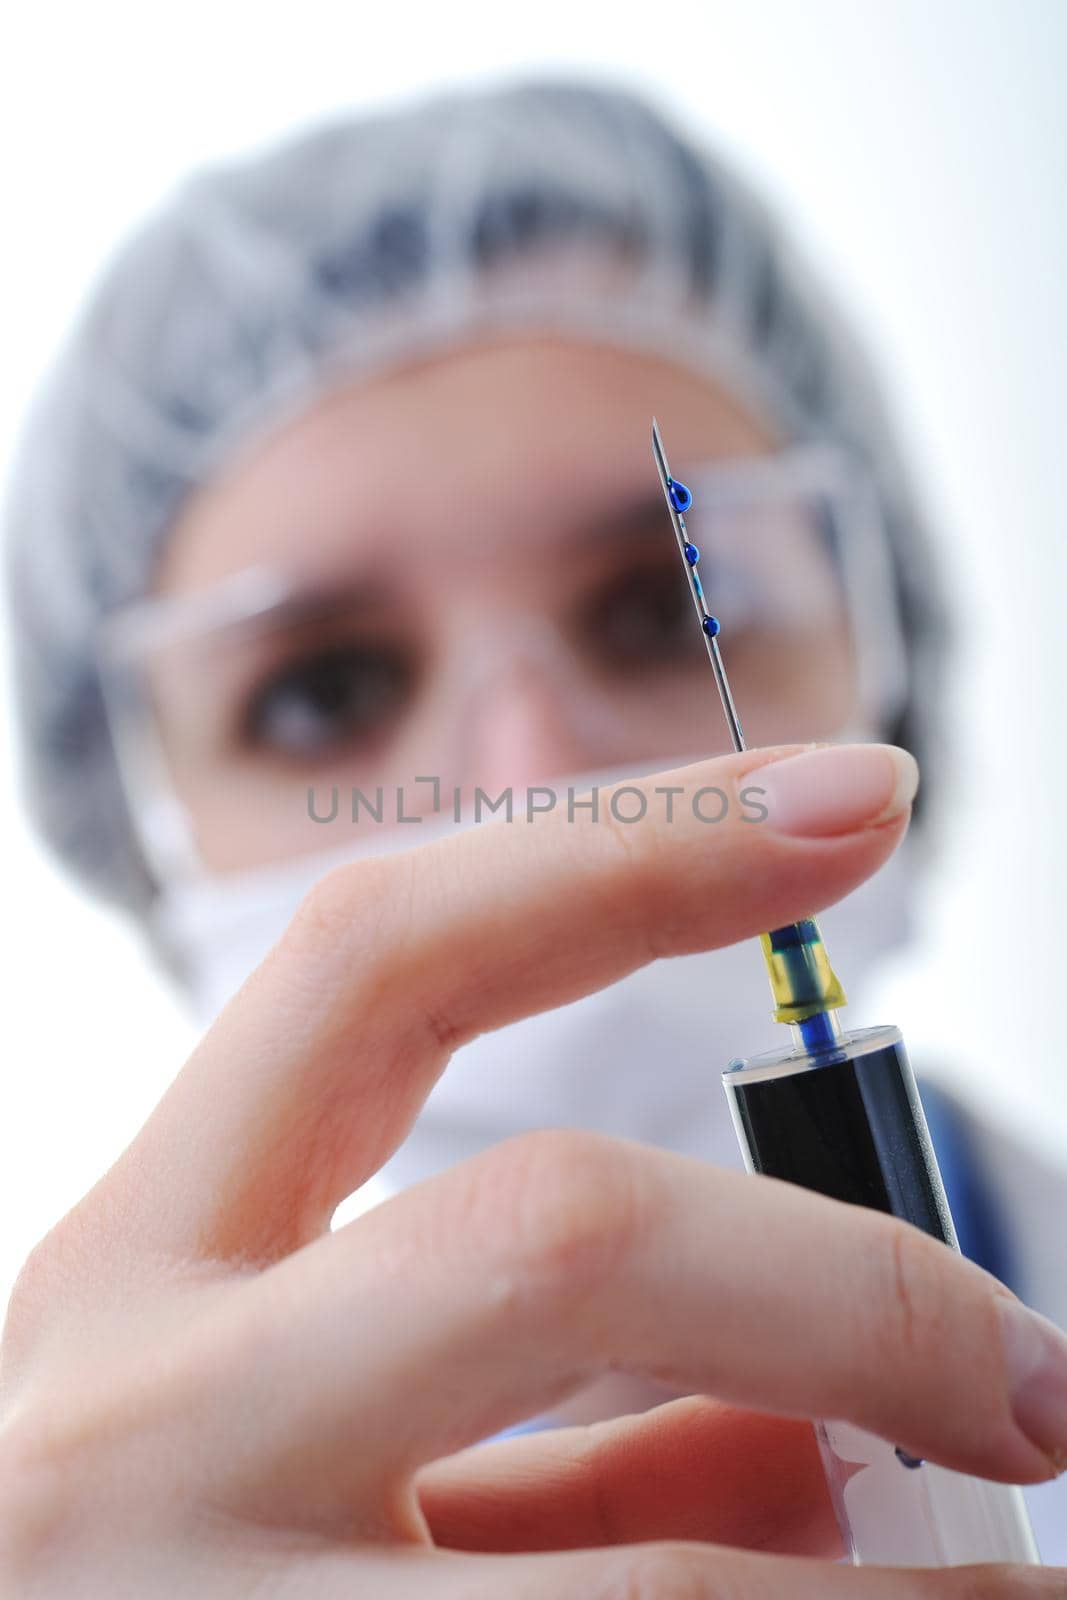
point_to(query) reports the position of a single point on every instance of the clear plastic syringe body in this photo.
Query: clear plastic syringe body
(845, 1119)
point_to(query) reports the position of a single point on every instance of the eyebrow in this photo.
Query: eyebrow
(319, 592)
(373, 591)
(629, 519)
(320, 596)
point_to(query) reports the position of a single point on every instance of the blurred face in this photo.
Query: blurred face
(484, 587)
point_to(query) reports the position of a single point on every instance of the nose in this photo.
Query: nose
(518, 732)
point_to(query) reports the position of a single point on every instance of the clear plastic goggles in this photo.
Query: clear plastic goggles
(238, 712)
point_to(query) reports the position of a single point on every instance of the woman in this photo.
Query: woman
(341, 504)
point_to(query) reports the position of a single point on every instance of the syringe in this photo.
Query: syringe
(839, 1112)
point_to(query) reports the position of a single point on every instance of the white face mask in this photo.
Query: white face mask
(640, 1059)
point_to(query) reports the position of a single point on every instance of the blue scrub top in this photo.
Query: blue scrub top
(982, 1233)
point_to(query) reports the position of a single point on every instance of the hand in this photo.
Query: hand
(206, 1392)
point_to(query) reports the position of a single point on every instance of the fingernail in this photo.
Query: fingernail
(1036, 1356)
(836, 788)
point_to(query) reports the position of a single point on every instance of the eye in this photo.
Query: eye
(333, 698)
(640, 619)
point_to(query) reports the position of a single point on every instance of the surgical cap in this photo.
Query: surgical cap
(263, 280)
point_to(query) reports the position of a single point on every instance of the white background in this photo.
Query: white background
(919, 150)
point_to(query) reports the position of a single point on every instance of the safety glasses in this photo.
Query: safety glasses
(237, 712)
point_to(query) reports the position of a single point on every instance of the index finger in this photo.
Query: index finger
(314, 1072)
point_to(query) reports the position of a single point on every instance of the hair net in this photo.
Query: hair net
(264, 279)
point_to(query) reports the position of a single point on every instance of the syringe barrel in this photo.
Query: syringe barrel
(847, 1121)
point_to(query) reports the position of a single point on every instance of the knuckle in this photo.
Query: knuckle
(36, 1277)
(909, 1306)
(43, 1491)
(561, 1208)
(362, 918)
(638, 889)
(348, 921)
(89, 1436)
(29, 1501)
(347, 896)
(25, 1516)
(43, 1282)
